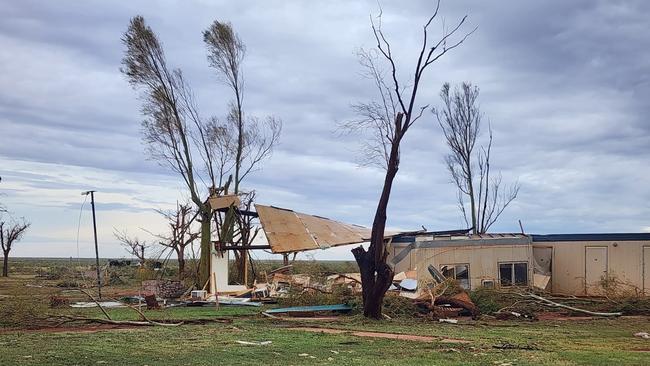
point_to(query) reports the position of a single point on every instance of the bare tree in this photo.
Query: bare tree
(249, 140)
(285, 258)
(133, 245)
(11, 231)
(460, 119)
(390, 118)
(173, 131)
(180, 234)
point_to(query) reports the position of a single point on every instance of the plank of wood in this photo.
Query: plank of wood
(217, 202)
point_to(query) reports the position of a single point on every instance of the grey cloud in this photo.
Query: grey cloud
(565, 86)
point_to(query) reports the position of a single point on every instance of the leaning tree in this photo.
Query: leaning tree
(250, 139)
(386, 121)
(11, 231)
(460, 119)
(175, 134)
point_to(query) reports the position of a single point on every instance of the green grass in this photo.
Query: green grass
(595, 342)
(584, 342)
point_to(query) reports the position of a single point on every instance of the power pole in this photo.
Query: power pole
(99, 279)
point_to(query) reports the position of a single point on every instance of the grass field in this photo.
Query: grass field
(557, 342)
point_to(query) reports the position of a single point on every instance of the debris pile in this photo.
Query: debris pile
(166, 289)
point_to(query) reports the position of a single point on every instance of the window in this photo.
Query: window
(513, 274)
(459, 272)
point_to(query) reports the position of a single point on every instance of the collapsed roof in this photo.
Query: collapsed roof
(290, 231)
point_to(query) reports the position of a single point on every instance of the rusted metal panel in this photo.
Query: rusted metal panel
(289, 231)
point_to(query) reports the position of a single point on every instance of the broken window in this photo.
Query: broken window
(459, 272)
(513, 274)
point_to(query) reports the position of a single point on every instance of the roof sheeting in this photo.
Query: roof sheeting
(290, 231)
(217, 202)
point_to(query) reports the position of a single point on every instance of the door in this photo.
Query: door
(595, 269)
(646, 271)
(542, 267)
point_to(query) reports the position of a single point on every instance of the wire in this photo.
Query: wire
(78, 230)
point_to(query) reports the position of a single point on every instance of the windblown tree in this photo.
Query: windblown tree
(250, 139)
(11, 231)
(172, 130)
(180, 234)
(133, 245)
(460, 119)
(386, 120)
(202, 152)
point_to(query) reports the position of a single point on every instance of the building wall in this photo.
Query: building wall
(625, 263)
(483, 260)
(408, 263)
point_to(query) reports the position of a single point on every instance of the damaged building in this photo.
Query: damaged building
(572, 264)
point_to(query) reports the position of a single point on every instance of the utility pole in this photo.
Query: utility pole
(99, 279)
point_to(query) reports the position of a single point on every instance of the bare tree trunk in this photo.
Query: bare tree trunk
(181, 262)
(5, 262)
(376, 274)
(472, 200)
(206, 246)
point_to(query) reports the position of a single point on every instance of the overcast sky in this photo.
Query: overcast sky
(565, 85)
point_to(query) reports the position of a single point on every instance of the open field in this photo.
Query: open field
(549, 342)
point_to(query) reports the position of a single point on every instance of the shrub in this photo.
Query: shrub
(487, 300)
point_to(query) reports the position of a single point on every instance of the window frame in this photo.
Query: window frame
(454, 265)
(512, 273)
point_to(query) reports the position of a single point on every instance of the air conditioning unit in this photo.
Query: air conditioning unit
(487, 283)
(199, 294)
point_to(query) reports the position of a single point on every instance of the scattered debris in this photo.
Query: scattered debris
(310, 310)
(409, 284)
(152, 302)
(57, 301)
(166, 289)
(405, 337)
(198, 295)
(451, 321)
(558, 305)
(643, 335)
(248, 343)
(92, 304)
(508, 345)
